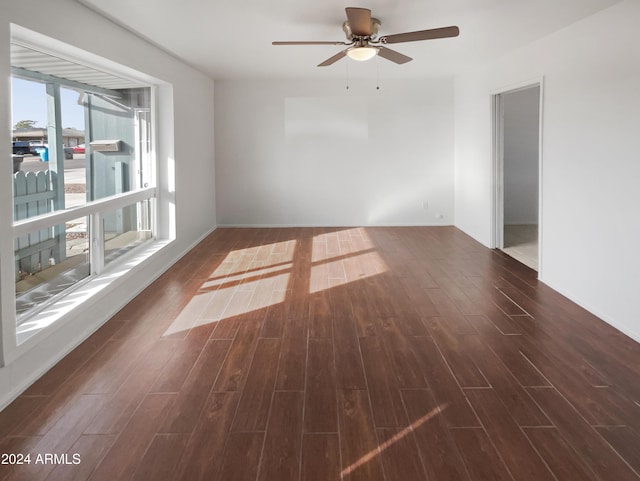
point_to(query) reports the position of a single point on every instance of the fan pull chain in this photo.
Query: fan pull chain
(377, 73)
(347, 63)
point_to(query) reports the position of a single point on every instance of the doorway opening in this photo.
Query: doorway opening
(517, 153)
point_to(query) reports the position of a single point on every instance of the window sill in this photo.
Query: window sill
(33, 328)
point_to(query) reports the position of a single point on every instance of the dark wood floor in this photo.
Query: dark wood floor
(326, 354)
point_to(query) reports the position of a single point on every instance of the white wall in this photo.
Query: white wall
(191, 150)
(590, 221)
(521, 134)
(313, 153)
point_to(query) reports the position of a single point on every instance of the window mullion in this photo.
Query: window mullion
(54, 138)
(96, 249)
(96, 236)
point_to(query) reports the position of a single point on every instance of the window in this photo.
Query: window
(84, 194)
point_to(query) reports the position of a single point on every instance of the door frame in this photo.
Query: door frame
(497, 158)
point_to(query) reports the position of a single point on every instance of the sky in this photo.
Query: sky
(29, 102)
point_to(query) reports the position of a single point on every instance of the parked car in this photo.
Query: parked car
(42, 151)
(22, 148)
(78, 149)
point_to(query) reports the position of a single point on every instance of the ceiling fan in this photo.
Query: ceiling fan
(361, 30)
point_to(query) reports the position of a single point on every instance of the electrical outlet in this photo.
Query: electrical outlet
(425, 204)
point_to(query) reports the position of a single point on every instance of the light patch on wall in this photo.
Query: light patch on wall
(326, 147)
(319, 117)
(322, 133)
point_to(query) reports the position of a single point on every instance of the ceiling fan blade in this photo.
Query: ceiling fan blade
(310, 43)
(431, 34)
(392, 55)
(359, 20)
(333, 59)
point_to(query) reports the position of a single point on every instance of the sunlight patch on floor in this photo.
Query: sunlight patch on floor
(246, 280)
(342, 257)
(394, 439)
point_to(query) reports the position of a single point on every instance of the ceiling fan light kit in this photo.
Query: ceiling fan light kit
(361, 30)
(362, 54)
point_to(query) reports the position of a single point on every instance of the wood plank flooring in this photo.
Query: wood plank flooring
(319, 354)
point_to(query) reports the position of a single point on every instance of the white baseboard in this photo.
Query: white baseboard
(585, 305)
(338, 226)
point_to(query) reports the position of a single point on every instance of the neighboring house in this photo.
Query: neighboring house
(70, 137)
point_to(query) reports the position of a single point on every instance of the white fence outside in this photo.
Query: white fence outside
(34, 195)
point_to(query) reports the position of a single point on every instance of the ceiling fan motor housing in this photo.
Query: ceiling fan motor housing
(375, 25)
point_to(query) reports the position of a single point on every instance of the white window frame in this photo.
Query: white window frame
(17, 340)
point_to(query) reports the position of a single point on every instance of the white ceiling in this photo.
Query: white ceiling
(232, 38)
